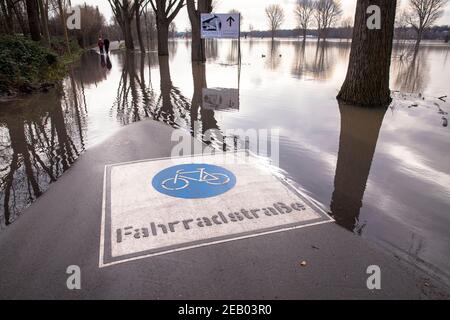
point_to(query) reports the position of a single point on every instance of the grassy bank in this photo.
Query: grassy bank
(27, 66)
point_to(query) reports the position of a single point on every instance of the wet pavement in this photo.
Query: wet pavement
(35, 255)
(382, 174)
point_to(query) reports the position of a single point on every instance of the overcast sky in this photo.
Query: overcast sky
(252, 11)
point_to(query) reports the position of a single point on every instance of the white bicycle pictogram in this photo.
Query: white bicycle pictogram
(182, 178)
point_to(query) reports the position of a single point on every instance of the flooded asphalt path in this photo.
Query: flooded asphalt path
(62, 228)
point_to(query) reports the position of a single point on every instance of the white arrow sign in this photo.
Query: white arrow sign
(219, 25)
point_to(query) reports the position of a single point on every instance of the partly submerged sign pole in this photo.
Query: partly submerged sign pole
(239, 54)
(221, 26)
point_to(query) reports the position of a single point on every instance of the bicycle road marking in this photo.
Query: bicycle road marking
(194, 181)
(139, 221)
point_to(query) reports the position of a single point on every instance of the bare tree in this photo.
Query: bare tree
(402, 47)
(194, 12)
(43, 9)
(236, 11)
(124, 11)
(327, 12)
(165, 11)
(18, 7)
(140, 7)
(347, 26)
(173, 30)
(275, 17)
(423, 14)
(33, 19)
(367, 80)
(7, 15)
(304, 12)
(93, 22)
(251, 28)
(62, 16)
(215, 4)
(150, 26)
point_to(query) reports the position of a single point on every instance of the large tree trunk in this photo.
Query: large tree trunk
(129, 42)
(198, 52)
(367, 81)
(198, 44)
(418, 40)
(165, 12)
(33, 19)
(163, 39)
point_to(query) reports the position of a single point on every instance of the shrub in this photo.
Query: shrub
(58, 45)
(24, 62)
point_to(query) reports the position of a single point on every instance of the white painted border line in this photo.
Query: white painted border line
(212, 243)
(310, 203)
(102, 224)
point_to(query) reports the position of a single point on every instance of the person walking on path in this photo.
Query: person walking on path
(100, 44)
(106, 42)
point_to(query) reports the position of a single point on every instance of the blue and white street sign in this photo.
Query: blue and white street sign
(219, 25)
(194, 181)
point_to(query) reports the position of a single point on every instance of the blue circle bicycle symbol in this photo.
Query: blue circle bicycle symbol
(194, 181)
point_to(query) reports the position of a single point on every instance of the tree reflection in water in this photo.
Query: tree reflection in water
(273, 59)
(360, 128)
(41, 138)
(132, 92)
(411, 73)
(311, 59)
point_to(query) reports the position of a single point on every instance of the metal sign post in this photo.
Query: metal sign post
(222, 26)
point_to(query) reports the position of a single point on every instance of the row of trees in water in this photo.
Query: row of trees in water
(40, 18)
(419, 15)
(165, 11)
(367, 81)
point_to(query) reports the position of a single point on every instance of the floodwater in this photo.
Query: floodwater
(382, 174)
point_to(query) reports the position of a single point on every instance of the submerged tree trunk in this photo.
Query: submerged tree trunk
(163, 39)
(124, 12)
(33, 19)
(165, 12)
(127, 33)
(198, 44)
(418, 41)
(367, 80)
